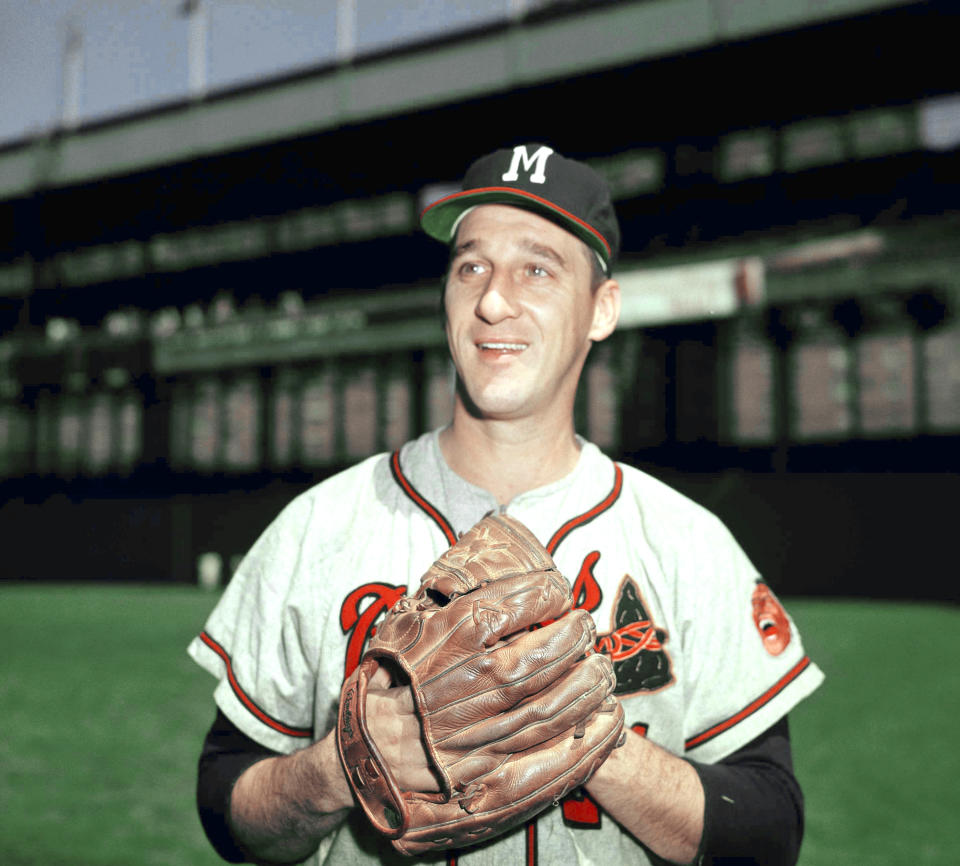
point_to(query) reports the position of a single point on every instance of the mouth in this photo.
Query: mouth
(501, 347)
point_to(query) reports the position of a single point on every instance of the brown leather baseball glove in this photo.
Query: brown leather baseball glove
(513, 717)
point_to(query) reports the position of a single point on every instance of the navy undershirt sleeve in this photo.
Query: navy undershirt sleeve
(753, 805)
(226, 753)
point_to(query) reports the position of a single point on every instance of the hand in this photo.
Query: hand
(395, 728)
(511, 718)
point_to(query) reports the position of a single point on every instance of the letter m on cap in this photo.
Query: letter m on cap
(537, 162)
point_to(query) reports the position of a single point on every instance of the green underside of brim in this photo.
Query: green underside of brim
(438, 220)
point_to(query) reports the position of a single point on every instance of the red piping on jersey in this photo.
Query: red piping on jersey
(532, 843)
(750, 709)
(558, 536)
(587, 516)
(245, 698)
(411, 491)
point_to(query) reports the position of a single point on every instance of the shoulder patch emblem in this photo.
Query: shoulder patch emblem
(770, 619)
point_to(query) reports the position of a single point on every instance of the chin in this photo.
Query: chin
(501, 410)
(495, 404)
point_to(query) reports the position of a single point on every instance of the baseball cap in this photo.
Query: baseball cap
(537, 178)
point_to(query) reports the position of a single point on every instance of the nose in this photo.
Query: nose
(498, 300)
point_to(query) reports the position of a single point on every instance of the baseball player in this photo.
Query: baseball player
(707, 662)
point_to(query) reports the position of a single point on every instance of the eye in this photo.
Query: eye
(470, 269)
(537, 271)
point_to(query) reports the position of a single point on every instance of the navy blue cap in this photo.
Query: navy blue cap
(536, 178)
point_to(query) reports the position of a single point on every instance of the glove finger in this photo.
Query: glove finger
(560, 707)
(521, 786)
(496, 547)
(492, 681)
(527, 773)
(479, 620)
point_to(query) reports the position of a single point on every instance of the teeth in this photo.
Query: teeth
(503, 346)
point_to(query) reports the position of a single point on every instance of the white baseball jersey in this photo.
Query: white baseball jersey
(706, 658)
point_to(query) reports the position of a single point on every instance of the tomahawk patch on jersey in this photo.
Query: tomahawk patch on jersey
(637, 646)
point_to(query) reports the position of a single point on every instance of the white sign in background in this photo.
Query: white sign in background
(711, 290)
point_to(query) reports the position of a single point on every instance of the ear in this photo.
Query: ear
(606, 310)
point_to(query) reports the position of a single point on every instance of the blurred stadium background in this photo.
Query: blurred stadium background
(213, 295)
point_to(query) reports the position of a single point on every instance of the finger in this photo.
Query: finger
(395, 728)
(381, 679)
(493, 612)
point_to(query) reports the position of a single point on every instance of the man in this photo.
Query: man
(705, 774)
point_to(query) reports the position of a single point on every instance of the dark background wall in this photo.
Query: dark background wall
(880, 535)
(843, 514)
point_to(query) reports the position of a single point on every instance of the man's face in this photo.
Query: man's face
(771, 620)
(520, 314)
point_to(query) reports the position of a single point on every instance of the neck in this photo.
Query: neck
(507, 457)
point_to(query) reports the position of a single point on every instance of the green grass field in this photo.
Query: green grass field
(102, 715)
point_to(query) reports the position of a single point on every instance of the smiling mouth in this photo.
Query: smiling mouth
(502, 347)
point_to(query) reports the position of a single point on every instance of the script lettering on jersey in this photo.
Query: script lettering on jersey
(586, 590)
(360, 625)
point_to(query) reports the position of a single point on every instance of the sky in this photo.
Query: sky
(134, 53)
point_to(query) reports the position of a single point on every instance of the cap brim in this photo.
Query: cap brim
(440, 218)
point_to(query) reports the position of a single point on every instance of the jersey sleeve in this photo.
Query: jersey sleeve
(746, 666)
(260, 641)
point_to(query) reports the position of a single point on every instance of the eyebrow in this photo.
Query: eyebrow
(547, 252)
(528, 245)
(460, 249)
